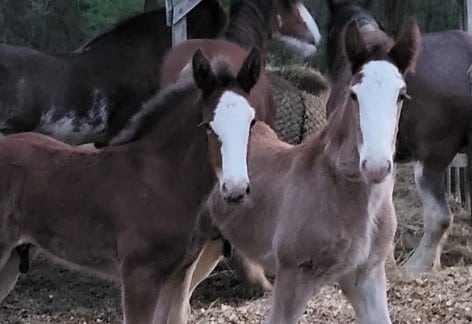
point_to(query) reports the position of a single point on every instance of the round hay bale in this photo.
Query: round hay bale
(299, 112)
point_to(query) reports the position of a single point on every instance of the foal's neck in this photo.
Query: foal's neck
(250, 23)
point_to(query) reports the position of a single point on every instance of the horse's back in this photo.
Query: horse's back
(28, 149)
(180, 56)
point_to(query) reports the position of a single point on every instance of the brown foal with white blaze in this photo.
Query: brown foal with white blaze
(322, 211)
(128, 212)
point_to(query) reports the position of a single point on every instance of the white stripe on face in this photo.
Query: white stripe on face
(377, 95)
(231, 123)
(309, 22)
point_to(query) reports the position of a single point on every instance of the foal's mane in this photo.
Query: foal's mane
(249, 21)
(170, 100)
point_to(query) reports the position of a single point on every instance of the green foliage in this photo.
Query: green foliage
(99, 15)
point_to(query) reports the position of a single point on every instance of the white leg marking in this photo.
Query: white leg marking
(427, 254)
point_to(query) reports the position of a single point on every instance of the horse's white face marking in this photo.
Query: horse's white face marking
(379, 107)
(309, 22)
(304, 48)
(75, 129)
(231, 123)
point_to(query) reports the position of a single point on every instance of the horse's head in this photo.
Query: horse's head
(296, 27)
(228, 117)
(377, 91)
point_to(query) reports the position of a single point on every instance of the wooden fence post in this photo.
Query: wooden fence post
(176, 17)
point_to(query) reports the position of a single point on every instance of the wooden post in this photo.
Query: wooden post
(176, 17)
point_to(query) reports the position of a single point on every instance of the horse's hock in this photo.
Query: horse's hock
(300, 94)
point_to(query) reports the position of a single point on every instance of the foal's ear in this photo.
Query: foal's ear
(405, 51)
(202, 73)
(250, 70)
(355, 47)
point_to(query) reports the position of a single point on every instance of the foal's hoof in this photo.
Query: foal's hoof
(413, 268)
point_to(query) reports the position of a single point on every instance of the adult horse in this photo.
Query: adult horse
(89, 95)
(142, 198)
(323, 210)
(251, 23)
(435, 123)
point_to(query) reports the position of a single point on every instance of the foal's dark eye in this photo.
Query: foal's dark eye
(209, 130)
(206, 126)
(403, 96)
(353, 96)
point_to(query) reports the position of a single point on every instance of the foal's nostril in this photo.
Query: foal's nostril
(224, 189)
(389, 166)
(235, 199)
(364, 165)
(248, 190)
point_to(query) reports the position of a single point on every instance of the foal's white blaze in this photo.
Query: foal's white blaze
(377, 95)
(231, 123)
(309, 22)
(305, 48)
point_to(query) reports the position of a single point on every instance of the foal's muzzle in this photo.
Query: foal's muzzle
(376, 172)
(234, 193)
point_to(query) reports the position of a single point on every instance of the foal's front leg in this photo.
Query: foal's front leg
(140, 290)
(367, 292)
(174, 302)
(293, 289)
(9, 273)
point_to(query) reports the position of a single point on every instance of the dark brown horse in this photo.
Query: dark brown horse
(252, 23)
(89, 95)
(323, 211)
(435, 123)
(128, 212)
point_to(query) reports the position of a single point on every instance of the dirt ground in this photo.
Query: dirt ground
(52, 294)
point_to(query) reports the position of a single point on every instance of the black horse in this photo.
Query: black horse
(89, 95)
